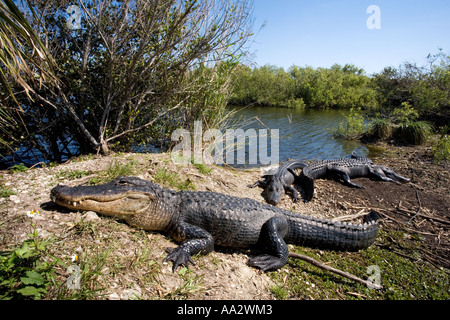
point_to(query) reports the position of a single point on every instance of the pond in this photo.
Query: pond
(303, 134)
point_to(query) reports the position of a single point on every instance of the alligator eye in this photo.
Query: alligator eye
(122, 182)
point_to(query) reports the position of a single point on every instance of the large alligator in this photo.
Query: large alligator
(200, 220)
(344, 169)
(276, 184)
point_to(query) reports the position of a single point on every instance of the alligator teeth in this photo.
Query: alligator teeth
(74, 203)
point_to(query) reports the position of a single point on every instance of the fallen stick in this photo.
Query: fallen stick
(420, 206)
(350, 217)
(347, 275)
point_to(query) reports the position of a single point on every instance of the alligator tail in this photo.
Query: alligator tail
(319, 233)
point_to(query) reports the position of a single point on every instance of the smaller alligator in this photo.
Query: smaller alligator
(276, 184)
(345, 169)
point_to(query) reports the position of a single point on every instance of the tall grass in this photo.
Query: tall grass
(381, 129)
(414, 133)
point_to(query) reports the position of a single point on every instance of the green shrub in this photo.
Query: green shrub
(297, 104)
(18, 168)
(353, 127)
(405, 113)
(441, 150)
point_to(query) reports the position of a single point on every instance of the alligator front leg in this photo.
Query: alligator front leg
(293, 192)
(259, 183)
(196, 241)
(271, 239)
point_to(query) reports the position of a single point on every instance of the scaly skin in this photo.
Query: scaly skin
(200, 220)
(345, 169)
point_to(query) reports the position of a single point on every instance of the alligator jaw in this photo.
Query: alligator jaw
(113, 204)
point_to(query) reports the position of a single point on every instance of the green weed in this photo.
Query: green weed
(172, 179)
(191, 284)
(6, 192)
(18, 168)
(403, 277)
(72, 174)
(114, 170)
(202, 168)
(27, 271)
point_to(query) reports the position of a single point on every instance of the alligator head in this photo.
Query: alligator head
(125, 198)
(274, 191)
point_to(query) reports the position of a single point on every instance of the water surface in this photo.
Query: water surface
(304, 134)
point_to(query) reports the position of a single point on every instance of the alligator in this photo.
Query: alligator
(344, 169)
(198, 220)
(276, 184)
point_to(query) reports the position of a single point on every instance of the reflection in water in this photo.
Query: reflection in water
(304, 135)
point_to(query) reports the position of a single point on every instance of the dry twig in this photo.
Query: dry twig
(334, 270)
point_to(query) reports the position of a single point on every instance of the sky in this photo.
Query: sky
(320, 33)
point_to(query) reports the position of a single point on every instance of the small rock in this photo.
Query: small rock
(114, 296)
(131, 294)
(14, 198)
(91, 216)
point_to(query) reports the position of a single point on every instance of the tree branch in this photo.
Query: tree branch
(334, 270)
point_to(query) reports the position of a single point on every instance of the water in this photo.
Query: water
(304, 134)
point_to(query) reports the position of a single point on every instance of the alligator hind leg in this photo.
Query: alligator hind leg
(271, 239)
(380, 176)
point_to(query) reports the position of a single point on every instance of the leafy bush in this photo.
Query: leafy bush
(353, 127)
(297, 104)
(441, 150)
(405, 113)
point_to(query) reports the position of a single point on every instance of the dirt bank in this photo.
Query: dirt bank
(123, 263)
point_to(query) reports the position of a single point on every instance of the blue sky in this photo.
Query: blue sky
(319, 33)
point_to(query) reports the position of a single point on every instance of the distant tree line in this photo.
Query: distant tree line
(425, 88)
(303, 87)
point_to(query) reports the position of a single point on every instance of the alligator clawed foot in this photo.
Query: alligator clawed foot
(266, 262)
(179, 257)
